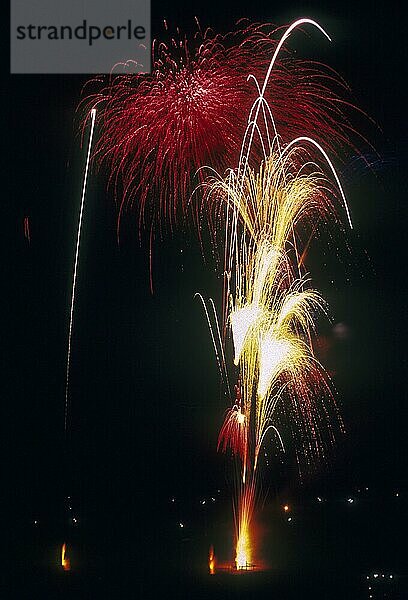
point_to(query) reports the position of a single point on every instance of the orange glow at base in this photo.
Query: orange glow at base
(65, 561)
(211, 560)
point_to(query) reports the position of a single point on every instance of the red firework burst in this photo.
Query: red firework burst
(157, 130)
(234, 431)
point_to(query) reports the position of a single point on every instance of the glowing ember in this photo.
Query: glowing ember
(211, 560)
(65, 561)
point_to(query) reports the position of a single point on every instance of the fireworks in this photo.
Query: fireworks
(269, 306)
(241, 99)
(157, 131)
(271, 319)
(271, 315)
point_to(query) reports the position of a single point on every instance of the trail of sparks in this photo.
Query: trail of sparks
(261, 99)
(74, 279)
(158, 130)
(217, 342)
(26, 225)
(269, 308)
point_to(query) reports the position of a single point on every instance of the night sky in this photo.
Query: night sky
(145, 402)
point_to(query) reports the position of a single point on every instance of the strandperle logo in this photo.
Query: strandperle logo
(79, 36)
(85, 32)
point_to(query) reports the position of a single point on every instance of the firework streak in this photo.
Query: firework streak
(268, 305)
(75, 271)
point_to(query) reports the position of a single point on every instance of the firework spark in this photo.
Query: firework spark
(157, 131)
(269, 306)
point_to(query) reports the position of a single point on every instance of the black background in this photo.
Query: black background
(145, 403)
